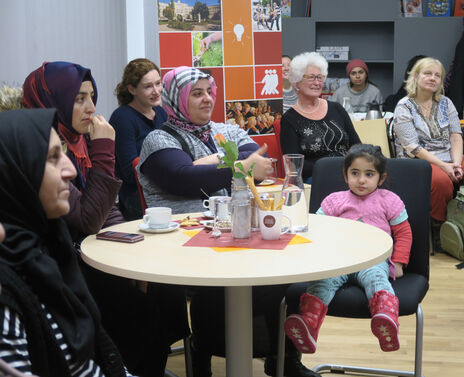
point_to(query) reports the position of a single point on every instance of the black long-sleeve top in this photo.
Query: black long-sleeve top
(330, 136)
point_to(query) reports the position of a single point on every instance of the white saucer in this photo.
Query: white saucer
(207, 223)
(266, 182)
(145, 228)
(208, 215)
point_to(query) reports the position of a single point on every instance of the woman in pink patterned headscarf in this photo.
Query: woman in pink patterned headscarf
(178, 163)
(177, 85)
(178, 168)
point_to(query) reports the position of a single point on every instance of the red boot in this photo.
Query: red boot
(303, 328)
(384, 324)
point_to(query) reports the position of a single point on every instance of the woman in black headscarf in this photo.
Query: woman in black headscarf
(143, 325)
(49, 322)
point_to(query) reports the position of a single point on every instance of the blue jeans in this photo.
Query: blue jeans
(372, 279)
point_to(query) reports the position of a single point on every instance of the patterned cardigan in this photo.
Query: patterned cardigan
(159, 139)
(414, 131)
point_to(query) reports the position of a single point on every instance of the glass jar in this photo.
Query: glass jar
(241, 209)
(295, 206)
(348, 108)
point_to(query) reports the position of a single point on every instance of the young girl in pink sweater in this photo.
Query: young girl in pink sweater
(364, 171)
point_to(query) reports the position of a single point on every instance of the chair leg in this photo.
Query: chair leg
(419, 341)
(177, 350)
(186, 350)
(334, 368)
(281, 339)
(188, 357)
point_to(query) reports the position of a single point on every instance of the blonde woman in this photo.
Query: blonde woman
(426, 125)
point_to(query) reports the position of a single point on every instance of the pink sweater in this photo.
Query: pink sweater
(381, 208)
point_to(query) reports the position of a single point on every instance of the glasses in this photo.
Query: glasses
(312, 78)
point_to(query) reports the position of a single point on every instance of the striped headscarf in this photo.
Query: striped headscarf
(177, 85)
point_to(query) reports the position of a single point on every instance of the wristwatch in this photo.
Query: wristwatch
(220, 155)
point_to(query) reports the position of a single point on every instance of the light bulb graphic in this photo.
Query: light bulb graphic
(238, 31)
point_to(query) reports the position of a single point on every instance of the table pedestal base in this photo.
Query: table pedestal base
(239, 331)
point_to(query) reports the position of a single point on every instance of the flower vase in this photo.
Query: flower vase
(241, 209)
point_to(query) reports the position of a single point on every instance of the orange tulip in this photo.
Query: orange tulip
(220, 139)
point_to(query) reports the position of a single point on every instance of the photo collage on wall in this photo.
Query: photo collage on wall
(239, 43)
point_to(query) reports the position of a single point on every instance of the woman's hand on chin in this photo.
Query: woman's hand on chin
(101, 129)
(263, 165)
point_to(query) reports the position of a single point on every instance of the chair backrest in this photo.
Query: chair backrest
(374, 132)
(391, 137)
(135, 162)
(408, 178)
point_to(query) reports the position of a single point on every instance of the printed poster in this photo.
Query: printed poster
(239, 43)
(286, 8)
(438, 8)
(412, 8)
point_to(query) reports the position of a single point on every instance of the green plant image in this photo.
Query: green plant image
(197, 36)
(212, 57)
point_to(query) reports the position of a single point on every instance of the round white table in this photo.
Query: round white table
(338, 246)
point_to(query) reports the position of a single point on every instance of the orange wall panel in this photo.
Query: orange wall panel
(239, 83)
(238, 46)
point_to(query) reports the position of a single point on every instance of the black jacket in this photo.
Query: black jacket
(46, 357)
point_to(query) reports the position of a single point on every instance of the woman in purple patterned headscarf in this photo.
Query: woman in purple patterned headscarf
(71, 89)
(140, 326)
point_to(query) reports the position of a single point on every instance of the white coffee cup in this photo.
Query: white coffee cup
(209, 203)
(157, 217)
(270, 224)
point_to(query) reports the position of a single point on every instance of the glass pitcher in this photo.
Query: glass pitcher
(347, 106)
(295, 205)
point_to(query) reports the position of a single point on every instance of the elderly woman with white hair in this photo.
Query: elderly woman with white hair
(313, 126)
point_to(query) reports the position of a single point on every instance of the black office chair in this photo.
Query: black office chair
(410, 179)
(391, 138)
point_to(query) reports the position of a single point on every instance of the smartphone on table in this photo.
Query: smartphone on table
(120, 236)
